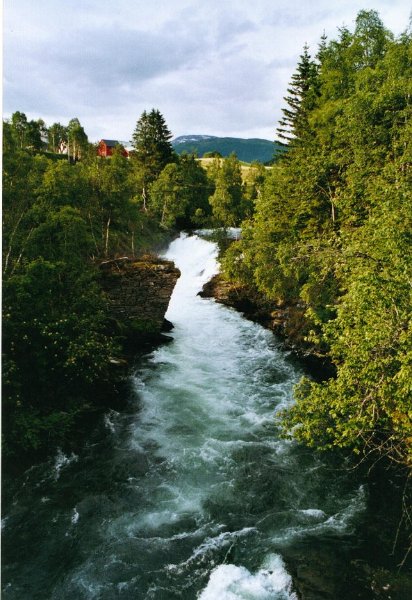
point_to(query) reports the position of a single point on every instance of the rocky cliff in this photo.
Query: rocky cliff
(138, 293)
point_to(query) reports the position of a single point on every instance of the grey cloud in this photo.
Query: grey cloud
(300, 19)
(282, 63)
(210, 67)
(107, 59)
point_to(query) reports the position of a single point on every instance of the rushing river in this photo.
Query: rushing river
(191, 492)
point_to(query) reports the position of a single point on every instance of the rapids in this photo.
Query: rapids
(191, 492)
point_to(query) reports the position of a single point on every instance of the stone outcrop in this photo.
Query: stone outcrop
(138, 292)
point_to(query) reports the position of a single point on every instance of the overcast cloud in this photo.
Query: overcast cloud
(217, 67)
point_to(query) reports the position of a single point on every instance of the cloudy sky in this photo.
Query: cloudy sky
(217, 67)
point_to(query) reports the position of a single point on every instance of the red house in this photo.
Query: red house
(106, 147)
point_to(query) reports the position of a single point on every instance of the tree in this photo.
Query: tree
(370, 39)
(19, 127)
(34, 135)
(54, 319)
(110, 210)
(9, 141)
(255, 180)
(27, 134)
(226, 202)
(168, 198)
(153, 149)
(367, 406)
(212, 154)
(336, 67)
(77, 141)
(56, 135)
(330, 238)
(197, 188)
(302, 94)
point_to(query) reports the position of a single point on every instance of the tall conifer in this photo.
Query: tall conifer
(302, 92)
(153, 149)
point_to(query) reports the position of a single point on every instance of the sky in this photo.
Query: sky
(214, 67)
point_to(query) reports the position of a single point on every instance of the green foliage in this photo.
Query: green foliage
(77, 142)
(179, 196)
(227, 199)
(332, 232)
(56, 135)
(302, 96)
(168, 201)
(57, 218)
(212, 154)
(54, 330)
(153, 150)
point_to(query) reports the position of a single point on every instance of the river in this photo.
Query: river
(190, 492)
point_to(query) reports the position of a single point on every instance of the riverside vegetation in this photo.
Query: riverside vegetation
(327, 229)
(62, 216)
(331, 235)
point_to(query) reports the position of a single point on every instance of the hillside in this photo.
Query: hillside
(246, 150)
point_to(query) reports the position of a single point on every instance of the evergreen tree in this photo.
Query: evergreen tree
(302, 94)
(153, 149)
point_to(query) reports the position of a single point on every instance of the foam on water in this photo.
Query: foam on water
(61, 461)
(211, 545)
(313, 513)
(75, 516)
(340, 522)
(110, 420)
(231, 582)
(193, 487)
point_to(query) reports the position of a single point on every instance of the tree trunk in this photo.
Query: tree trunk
(106, 246)
(133, 254)
(163, 214)
(144, 196)
(13, 233)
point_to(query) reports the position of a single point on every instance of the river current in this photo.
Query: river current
(190, 492)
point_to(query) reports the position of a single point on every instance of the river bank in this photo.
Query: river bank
(286, 321)
(389, 487)
(190, 491)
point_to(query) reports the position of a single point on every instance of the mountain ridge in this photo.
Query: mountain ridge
(246, 149)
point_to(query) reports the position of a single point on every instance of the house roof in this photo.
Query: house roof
(110, 143)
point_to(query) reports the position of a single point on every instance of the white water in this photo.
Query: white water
(206, 398)
(198, 496)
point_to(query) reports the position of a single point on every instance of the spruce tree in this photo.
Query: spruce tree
(302, 93)
(153, 149)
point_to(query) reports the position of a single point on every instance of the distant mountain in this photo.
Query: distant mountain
(246, 150)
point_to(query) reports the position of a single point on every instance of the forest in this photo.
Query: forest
(63, 214)
(331, 234)
(326, 229)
